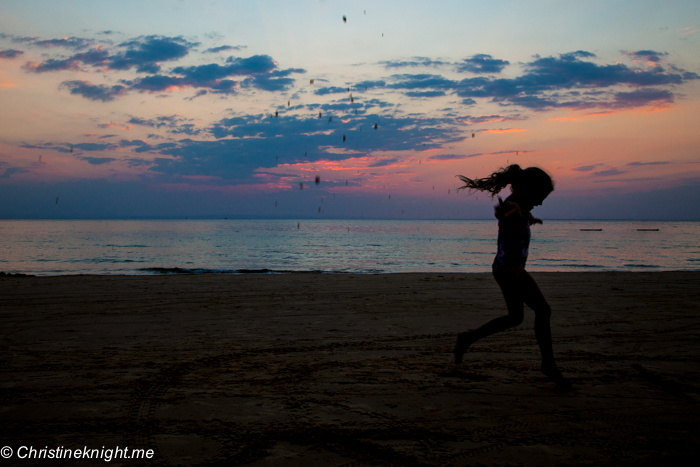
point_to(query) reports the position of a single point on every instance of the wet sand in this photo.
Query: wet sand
(341, 370)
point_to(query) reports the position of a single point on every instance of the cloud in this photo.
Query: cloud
(368, 84)
(138, 144)
(330, 90)
(425, 93)
(609, 172)
(10, 53)
(9, 172)
(157, 83)
(51, 65)
(173, 122)
(385, 162)
(641, 98)
(450, 157)
(245, 145)
(75, 43)
(378, 103)
(143, 53)
(274, 81)
(94, 146)
(502, 130)
(197, 94)
(414, 62)
(627, 180)
(482, 63)
(495, 118)
(19, 39)
(52, 146)
(134, 162)
(649, 55)
(257, 64)
(223, 48)
(539, 87)
(585, 168)
(158, 122)
(97, 160)
(94, 92)
(187, 129)
(648, 163)
(420, 81)
(260, 69)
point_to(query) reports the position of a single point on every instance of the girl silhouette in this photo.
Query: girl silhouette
(529, 189)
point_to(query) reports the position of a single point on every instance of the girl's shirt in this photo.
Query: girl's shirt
(513, 239)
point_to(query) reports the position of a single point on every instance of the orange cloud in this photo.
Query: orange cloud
(7, 84)
(433, 149)
(656, 108)
(502, 130)
(563, 119)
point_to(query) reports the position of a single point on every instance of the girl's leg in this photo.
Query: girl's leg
(532, 296)
(519, 287)
(514, 302)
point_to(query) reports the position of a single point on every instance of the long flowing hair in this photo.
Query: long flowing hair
(532, 179)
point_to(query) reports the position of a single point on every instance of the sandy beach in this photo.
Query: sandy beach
(349, 370)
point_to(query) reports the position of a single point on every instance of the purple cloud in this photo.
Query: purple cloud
(75, 43)
(482, 63)
(609, 172)
(537, 88)
(648, 163)
(97, 160)
(585, 168)
(224, 48)
(642, 97)
(94, 92)
(330, 90)
(10, 53)
(650, 55)
(450, 157)
(9, 172)
(420, 81)
(143, 53)
(261, 70)
(425, 93)
(415, 62)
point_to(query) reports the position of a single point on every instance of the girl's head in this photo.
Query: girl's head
(531, 185)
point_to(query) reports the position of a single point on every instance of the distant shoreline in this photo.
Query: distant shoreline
(315, 218)
(330, 273)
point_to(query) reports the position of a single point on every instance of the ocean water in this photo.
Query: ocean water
(55, 247)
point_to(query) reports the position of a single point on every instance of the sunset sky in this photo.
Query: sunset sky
(222, 108)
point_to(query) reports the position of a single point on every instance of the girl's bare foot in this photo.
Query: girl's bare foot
(551, 371)
(463, 342)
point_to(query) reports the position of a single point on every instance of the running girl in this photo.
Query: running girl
(529, 189)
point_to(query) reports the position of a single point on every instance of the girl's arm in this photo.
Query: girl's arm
(506, 210)
(533, 219)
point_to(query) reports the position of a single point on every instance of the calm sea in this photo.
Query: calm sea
(51, 247)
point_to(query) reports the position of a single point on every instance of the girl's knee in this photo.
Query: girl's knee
(543, 311)
(514, 320)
